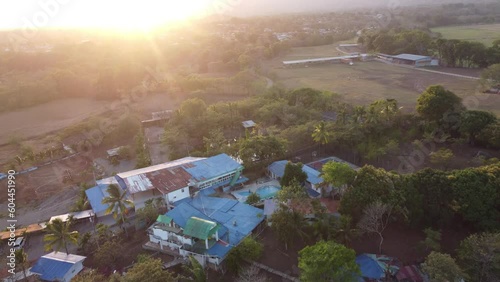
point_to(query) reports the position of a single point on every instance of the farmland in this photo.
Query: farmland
(365, 82)
(485, 34)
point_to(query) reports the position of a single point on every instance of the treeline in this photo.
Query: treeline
(452, 53)
(288, 121)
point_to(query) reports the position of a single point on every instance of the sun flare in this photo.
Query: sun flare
(114, 14)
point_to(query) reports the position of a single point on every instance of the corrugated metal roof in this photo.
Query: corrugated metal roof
(411, 57)
(248, 123)
(53, 266)
(138, 183)
(237, 219)
(278, 169)
(315, 60)
(200, 228)
(211, 167)
(170, 179)
(158, 167)
(164, 219)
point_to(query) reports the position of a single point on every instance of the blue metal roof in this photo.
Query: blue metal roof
(50, 269)
(312, 193)
(95, 196)
(278, 169)
(238, 220)
(211, 167)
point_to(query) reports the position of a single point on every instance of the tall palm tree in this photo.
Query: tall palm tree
(59, 235)
(321, 134)
(117, 203)
(21, 258)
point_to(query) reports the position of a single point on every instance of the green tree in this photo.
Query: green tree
(328, 261)
(149, 212)
(479, 256)
(117, 203)
(215, 142)
(261, 148)
(293, 192)
(253, 198)
(442, 267)
(338, 174)
(21, 258)
(150, 270)
(59, 235)
(371, 184)
(436, 101)
(476, 196)
(293, 172)
(110, 253)
(473, 122)
(432, 240)
(249, 249)
(195, 270)
(287, 224)
(89, 276)
(442, 157)
(142, 154)
(321, 134)
(491, 76)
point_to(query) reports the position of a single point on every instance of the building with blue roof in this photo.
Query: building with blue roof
(231, 220)
(58, 266)
(314, 183)
(171, 181)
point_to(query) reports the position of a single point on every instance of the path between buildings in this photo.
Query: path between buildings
(273, 271)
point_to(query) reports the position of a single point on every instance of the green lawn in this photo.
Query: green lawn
(482, 33)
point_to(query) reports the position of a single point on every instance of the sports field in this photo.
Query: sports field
(482, 33)
(365, 82)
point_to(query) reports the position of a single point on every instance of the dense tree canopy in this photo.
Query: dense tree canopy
(442, 267)
(436, 101)
(479, 255)
(473, 122)
(328, 261)
(293, 172)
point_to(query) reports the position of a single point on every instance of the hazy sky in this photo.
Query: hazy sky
(148, 13)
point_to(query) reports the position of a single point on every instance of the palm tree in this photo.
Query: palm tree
(321, 134)
(117, 203)
(60, 235)
(21, 258)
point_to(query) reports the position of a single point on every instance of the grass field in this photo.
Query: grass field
(365, 82)
(482, 33)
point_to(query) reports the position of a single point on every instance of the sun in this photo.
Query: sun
(146, 14)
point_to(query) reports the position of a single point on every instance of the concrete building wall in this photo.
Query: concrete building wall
(73, 271)
(177, 195)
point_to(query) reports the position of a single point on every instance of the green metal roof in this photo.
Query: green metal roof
(164, 219)
(200, 228)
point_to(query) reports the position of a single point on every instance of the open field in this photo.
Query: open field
(365, 82)
(485, 34)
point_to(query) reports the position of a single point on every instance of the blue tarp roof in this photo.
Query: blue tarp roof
(237, 219)
(50, 269)
(211, 167)
(278, 169)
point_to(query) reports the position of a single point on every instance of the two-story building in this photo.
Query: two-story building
(205, 227)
